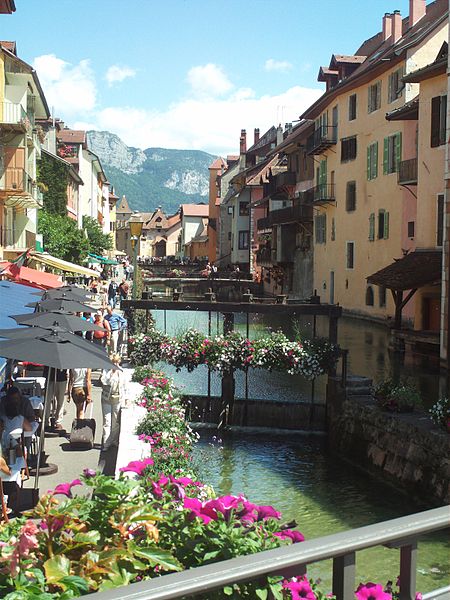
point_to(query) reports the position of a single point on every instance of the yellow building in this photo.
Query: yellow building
(358, 220)
(21, 102)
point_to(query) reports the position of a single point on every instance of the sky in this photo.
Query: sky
(186, 74)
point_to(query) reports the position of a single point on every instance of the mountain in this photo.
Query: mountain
(153, 177)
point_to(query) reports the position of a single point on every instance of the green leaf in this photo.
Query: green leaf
(91, 537)
(155, 556)
(210, 555)
(56, 569)
(262, 594)
(228, 590)
(75, 583)
(276, 591)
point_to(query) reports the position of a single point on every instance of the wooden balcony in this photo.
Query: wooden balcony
(17, 188)
(321, 139)
(407, 172)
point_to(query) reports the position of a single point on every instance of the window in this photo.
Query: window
(350, 255)
(243, 209)
(352, 107)
(440, 220)
(229, 236)
(395, 85)
(382, 296)
(383, 225)
(372, 227)
(411, 227)
(374, 97)
(392, 152)
(372, 161)
(335, 119)
(243, 240)
(320, 222)
(350, 199)
(369, 296)
(438, 120)
(348, 148)
(333, 229)
(230, 210)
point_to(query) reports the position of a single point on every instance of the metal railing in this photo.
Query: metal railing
(324, 192)
(322, 138)
(14, 114)
(292, 560)
(407, 171)
(14, 179)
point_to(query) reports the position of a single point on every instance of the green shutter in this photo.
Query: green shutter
(369, 170)
(398, 150)
(372, 227)
(385, 155)
(390, 88)
(375, 161)
(386, 226)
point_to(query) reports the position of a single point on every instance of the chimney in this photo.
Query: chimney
(256, 139)
(279, 134)
(417, 10)
(396, 26)
(387, 26)
(243, 142)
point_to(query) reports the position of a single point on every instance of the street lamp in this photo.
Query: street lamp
(135, 230)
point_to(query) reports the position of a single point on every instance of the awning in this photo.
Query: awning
(416, 269)
(27, 276)
(101, 259)
(22, 202)
(63, 265)
(119, 253)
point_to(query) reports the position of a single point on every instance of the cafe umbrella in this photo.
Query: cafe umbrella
(55, 350)
(57, 318)
(71, 292)
(71, 306)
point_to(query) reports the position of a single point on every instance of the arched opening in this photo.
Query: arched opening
(369, 296)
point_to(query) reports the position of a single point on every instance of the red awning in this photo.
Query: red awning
(31, 277)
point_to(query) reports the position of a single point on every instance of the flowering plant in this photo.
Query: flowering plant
(440, 412)
(403, 397)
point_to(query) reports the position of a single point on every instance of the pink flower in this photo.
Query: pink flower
(137, 466)
(295, 536)
(300, 588)
(199, 509)
(372, 591)
(27, 541)
(267, 512)
(65, 489)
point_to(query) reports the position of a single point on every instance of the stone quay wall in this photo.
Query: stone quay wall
(406, 450)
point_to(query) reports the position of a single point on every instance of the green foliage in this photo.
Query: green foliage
(54, 174)
(97, 240)
(61, 237)
(401, 397)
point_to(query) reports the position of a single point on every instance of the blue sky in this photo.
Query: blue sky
(186, 73)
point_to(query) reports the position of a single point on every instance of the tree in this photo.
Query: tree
(53, 175)
(97, 240)
(62, 238)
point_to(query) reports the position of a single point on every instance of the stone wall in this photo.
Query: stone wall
(407, 450)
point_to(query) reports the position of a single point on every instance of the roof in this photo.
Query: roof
(268, 138)
(302, 130)
(383, 55)
(123, 206)
(407, 112)
(344, 58)
(15, 298)
(173, 220)
(438, 67)
(71, 136)
(219, 163)
(7, 6)
(11, 46)
(195, 210)
(414, 270)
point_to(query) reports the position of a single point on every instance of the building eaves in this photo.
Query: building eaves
(437, 68)
(407, 112)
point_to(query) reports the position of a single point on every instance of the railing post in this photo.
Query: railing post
(344, 576)
(408, 567)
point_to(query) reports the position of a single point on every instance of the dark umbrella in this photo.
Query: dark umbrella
(70, 292)
(70, 306)
(22, 333)
(58, 318)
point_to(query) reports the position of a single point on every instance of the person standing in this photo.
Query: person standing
(123, 290)
(116, 323)
(101, 337)
(80, 389)
(113, 288)
(114, 392)
(57, 385)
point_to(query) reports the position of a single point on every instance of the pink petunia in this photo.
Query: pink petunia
(65, 489)
(300, 588)
(295, 536)
(372, 591)
(137, 466)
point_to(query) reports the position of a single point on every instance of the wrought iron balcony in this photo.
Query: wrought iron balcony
(263, 224)
(264, 256)
(407, 172)
(291, 214)
(322, 138)
(320, 194)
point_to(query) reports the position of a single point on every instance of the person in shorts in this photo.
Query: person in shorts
(80, 388)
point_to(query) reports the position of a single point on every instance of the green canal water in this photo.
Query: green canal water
(298, 475)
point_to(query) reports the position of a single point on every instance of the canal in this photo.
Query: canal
(296, 473)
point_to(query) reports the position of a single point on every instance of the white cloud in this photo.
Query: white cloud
(282, 66)
(71, 89)
(117, 73)
(208, 81)
(210, 124)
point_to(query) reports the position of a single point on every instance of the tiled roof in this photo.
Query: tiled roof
(123, 206)
(414, 270)
(268, 138)
(342, 58)
(219, 163)
(173, 220)
(71, 136)
(195, 210)
(11, 46)
(409, 111)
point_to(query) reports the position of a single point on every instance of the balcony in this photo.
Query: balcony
(285, 178)
(323, 193)
(15, 117)
(263, 224)
(407, 172)
(20, 189)
(322, 138)
(291, 214)
(264, 256)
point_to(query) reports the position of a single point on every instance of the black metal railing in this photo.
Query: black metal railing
(322, 138)
(297, 213)
(407, 172)
(264, 256)
(322, 193)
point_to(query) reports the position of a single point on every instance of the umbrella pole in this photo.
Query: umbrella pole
(51, 372)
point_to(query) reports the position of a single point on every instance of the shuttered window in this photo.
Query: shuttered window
(372, 161)
(392, 153)
(383, 225)
(320, 226)
(350, 198)
(352, 107)
(374, 97)
(438, 120)
(350, 255)
(333, 229)
(348, 148)
(395, 85)
(440, 220)
(372, 227)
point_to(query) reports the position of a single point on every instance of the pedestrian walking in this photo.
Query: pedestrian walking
(54, 409)
(116, 323)
(114, 391)
(113, 289)
(80, 388)
(102, 337)
(124, 288)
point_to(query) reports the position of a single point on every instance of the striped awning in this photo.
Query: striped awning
(62, 265)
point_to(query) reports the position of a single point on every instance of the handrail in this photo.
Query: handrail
(290, 560)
